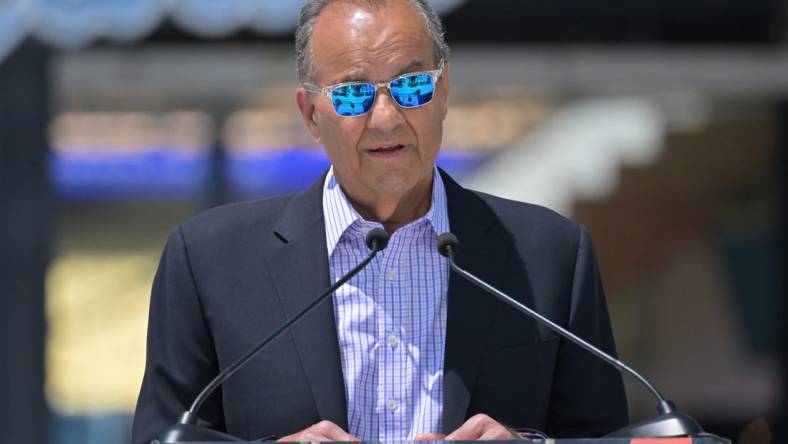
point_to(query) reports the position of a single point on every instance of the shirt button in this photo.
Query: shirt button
(391, 275)
(392, 405)
(393, 341)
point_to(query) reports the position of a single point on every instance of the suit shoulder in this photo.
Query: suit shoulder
(237, 217)
(540, 222)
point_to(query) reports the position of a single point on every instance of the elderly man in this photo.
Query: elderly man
(405, 350)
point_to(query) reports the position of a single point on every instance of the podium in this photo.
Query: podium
(682, 440)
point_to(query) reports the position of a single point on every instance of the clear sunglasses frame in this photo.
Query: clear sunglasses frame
(328, 91)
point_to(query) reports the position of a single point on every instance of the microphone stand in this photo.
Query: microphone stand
(668, 423)
(187, 429)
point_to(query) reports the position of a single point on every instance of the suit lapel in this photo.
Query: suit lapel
(300, 273)
(470, 310)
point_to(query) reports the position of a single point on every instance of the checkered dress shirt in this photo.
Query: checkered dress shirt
(391, 318)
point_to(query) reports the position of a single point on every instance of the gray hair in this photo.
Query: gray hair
(312, 9)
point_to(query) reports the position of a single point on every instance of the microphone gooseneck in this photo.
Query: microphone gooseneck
(670, 422)
(187, 429)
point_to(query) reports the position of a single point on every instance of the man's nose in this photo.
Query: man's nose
(385, 114)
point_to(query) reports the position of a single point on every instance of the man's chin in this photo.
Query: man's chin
(399, 184)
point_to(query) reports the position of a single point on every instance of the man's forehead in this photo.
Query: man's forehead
(360, 73)
(352, 42)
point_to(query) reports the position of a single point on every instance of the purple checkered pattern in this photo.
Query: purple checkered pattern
(391, 319)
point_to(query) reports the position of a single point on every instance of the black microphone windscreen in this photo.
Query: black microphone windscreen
(447, 243)
(377, 239)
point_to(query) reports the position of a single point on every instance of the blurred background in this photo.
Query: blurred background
(662, 125)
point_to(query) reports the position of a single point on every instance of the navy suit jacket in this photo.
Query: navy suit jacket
(230, 276)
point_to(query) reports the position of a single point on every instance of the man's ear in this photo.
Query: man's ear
(444, 82)
(306, 105)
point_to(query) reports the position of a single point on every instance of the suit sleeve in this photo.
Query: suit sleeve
(588, 396)
(180, 356)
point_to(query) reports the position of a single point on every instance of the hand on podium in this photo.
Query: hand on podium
(430, 437)
(322, 431)
(479, 427)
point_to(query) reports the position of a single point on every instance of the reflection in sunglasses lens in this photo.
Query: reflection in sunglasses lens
(353, 100)
(408, 91)
(412, 91)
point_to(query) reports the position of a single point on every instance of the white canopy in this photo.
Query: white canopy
(70, 24)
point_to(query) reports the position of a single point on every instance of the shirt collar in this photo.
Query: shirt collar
(339, 214)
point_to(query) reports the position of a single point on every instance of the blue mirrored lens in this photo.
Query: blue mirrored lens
(353, 100)
(411, 91)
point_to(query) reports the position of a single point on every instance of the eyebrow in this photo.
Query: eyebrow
(408, 67)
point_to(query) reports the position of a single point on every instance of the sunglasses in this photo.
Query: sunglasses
(353, 99)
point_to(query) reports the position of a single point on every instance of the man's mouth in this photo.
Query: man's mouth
(387, 149)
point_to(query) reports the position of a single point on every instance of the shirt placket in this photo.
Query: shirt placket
(374, 423)
(368, 420)
(391, 402)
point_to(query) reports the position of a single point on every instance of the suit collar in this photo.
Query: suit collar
(468, 213)
(303, 212)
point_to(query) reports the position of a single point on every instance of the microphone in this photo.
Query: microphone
(187, 429)
(668, 423)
